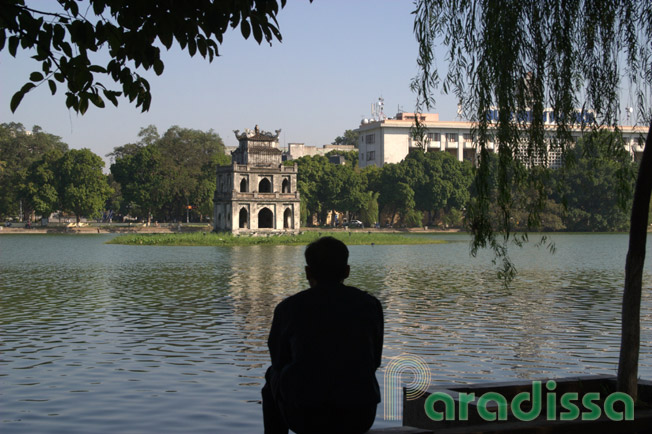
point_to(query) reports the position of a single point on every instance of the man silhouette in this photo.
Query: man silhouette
(325, 344)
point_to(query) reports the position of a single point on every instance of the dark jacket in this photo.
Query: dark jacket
(326, 344)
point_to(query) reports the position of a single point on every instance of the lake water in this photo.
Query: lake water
(109, 338)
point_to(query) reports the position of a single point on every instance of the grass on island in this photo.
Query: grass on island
(226, 239)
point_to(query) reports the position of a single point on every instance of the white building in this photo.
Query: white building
(385, 141)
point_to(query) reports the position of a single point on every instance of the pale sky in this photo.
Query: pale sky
(337, 57)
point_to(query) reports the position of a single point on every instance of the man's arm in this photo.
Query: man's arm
(277, 348)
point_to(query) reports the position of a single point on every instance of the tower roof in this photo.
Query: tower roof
(256, 135)
(259, 148)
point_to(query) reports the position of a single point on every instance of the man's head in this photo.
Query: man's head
(327, 261)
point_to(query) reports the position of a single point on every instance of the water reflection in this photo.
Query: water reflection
(147, 339)
(260, 277)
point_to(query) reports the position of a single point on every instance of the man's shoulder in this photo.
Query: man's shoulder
(316, 293)
(357, 292)
(292, 299)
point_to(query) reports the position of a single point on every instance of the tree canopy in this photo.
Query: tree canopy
(160, 176)
(83, 188)
(434, 183)
(22, 150)
(65, 37)
(349, 137)
(596, 187)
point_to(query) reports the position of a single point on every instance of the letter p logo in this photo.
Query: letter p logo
(392, 400)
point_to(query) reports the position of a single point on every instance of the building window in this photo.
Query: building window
(243, 218)
(287, 219)
(451, 137)
(467, 137)
(265, 219)
(435, 137)
(371, 155)
(370, 139)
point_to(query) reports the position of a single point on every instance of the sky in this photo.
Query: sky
(337, 57)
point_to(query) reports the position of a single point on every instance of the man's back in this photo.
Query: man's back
(326, 343)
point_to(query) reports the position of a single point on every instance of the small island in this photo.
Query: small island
(304, 238)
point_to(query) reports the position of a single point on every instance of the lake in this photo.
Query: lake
(110, 338)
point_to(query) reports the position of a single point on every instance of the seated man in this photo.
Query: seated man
(326, 344)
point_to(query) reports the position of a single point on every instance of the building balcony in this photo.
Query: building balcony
(275, 168)
(237, 195)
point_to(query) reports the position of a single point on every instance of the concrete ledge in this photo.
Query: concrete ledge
(399, 430)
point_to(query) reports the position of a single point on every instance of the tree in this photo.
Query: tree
(349, 137)
(309, 180)
(19, 150)
(41, 188)
(83, 188)
(140, 177)
(515, 58)
(65, 39)
(189, 160)
(163, 175)
(369, 211)
(396, 195)
(115, 203)
(440, 182)
(350, 157)
(329, 193)
(596, 184)
(351, 197)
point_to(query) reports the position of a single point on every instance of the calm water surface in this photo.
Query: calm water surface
(108, 338)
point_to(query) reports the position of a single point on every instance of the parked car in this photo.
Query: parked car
(356, 224)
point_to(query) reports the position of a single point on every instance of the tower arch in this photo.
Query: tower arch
(264, 186)
(243, 218)
(287, 219)
(265, 218)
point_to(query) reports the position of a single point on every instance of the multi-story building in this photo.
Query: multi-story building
(256, 193)
(389, 140)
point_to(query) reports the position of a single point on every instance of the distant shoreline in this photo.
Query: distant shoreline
(176, 229)
(173, 228)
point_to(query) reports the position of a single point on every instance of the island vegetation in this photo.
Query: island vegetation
(304, 238)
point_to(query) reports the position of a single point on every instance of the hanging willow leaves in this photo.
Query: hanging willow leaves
(508, 63)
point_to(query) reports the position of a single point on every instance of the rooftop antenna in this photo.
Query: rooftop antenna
(377, 113)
